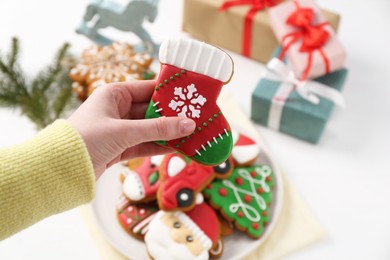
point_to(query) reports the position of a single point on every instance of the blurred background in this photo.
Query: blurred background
(344, 179)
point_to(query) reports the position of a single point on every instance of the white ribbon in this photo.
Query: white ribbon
(308, 90)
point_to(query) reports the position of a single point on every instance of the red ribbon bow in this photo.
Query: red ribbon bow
(256, 6)
(313, 36)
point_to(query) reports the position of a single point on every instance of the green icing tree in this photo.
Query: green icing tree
(244, 197)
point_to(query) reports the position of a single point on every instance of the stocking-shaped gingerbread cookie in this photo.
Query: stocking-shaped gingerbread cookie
(191, 78)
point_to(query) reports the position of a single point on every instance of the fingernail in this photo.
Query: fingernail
(187, 126)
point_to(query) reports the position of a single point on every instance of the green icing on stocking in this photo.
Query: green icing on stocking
(244, 197)
(224, 147)
(151, 113)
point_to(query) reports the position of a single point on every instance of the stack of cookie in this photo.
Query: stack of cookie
(162, 201)
(116, 62)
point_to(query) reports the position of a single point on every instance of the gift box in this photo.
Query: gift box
(243, 28)
(308, 40)
(292, 111)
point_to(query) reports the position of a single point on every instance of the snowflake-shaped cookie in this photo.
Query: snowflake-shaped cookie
(112, 63)
(187, 101)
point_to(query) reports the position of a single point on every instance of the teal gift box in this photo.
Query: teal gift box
(299, 117)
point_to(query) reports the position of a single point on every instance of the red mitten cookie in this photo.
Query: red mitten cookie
(134, 219)
(191, 78)
(179, 235)
(244, 197)
(141, 184)
(181, 179)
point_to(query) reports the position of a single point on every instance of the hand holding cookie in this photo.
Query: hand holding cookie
(111, 124)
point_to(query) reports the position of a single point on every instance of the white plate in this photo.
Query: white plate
(109, 189)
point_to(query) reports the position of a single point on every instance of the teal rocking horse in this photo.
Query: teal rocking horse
(102, 14)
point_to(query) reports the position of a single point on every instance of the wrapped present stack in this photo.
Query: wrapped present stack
(303, 80)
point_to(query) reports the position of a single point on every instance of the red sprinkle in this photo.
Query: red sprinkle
(222, 192)
(255, 225)
(260, 190)
(268, 179)
(264, 213)
(239, 181)
(209, 186)
(253, 174)
(247, 198)
(240, 214)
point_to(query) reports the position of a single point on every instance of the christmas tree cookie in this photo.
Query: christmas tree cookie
(191, 78)
(244, 198)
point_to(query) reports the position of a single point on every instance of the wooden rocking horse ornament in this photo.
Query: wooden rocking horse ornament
(102, 14)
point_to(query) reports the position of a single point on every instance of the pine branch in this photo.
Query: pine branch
(49, 94)
(13, 55)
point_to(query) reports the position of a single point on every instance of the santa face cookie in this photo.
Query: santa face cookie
(244, 198)
(191, 78)
(135, 219)
(179, 235)
(182, 179)
(141, 184)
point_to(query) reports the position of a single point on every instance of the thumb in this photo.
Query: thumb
(162, 128)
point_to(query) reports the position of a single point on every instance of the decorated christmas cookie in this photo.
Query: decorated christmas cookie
(182, 179)
(178, 235)
(244, 197)
(135, 219)
(245, 150)
(141, 184)
(191, 78)
(101, 65)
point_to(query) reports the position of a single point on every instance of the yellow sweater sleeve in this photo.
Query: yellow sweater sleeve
(48, 174)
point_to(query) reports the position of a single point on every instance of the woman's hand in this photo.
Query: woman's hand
(112, 125)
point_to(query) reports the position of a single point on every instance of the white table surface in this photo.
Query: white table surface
(345, 178)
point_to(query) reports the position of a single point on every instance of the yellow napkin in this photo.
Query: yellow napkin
(295, 228)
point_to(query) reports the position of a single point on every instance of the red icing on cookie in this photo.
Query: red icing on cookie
(223, 192)
(239, 181)
(247, 198)
(182, 178)
(166, 94)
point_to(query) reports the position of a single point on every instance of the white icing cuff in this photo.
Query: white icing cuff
(198, 57)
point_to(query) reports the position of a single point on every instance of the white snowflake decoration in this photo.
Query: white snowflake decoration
(187, 102)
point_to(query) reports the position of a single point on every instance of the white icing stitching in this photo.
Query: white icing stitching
(155, 104)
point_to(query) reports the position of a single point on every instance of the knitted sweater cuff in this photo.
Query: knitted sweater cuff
(48, 174)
